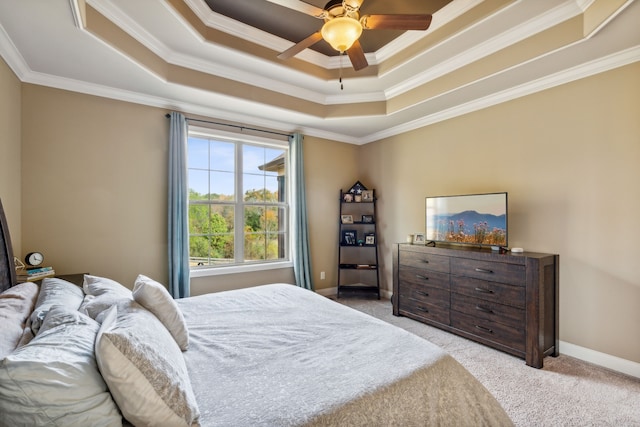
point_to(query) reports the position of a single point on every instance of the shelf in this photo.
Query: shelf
(358, 230)
(359, 289)
(357, 223)
(357, 203)
(358, 266)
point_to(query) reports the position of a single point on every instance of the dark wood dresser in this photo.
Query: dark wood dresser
(506, 301)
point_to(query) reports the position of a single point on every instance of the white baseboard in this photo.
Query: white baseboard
(601, 359)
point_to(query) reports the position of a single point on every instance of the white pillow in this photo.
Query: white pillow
(102, 293)
(54, 379)
(154, 297)
(95, 285)
(55, 291)
(144, 368)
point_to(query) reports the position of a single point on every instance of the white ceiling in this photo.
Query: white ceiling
(44, 44)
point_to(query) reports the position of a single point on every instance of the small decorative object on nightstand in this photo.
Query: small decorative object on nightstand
(34, 259)
(32, 269)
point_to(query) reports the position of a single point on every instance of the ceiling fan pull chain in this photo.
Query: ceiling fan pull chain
(341, 56)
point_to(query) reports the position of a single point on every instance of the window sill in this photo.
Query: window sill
(235, 269)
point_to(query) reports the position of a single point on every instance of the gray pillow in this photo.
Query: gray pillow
(54, 291)
(54, 380)
(16, 304)
(101, 294)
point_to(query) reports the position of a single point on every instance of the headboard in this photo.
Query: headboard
(7, 267)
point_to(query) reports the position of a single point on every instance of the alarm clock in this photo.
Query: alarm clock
(34, 259)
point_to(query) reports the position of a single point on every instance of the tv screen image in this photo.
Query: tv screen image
(477, 219)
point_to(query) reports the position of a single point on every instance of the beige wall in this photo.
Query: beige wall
(10, 183)
(93, 189)
(329, 166)
(94, 184)
(569, 157)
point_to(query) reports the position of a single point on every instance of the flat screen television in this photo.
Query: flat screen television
(473, 219)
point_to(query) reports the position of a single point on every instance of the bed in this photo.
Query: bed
(273, 355)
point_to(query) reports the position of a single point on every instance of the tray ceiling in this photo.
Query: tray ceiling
(217, 58)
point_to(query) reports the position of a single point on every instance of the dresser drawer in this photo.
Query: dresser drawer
(423, 260)
(423, 310)
(513, 274)
(421, 277)
(494, 292)
(492, 311)
(512, 337)
(425, 294)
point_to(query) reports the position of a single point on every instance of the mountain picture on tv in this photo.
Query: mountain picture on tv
(479, 219)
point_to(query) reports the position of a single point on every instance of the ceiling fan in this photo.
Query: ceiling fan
(343, 26)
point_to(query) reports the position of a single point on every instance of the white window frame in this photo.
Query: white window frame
(209, 133)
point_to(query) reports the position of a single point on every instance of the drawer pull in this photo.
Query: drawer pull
(421, 277)
(426, 261)
(482, 328)
(422, 309)
(423, 293)
(484, 270)
(484, 291)
(484, 309)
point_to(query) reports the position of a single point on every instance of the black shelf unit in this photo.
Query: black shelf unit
(358, 272)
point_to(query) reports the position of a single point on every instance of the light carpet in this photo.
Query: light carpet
(566, 392)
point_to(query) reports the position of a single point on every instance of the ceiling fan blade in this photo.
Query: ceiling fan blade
(356, 55)
(300, 46)
(302, 7)
(396, 22)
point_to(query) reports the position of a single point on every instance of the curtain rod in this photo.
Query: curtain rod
(288, 135)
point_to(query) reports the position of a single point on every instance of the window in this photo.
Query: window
(238, 199)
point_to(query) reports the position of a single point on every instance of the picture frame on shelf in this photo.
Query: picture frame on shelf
(369, 239)
(347, 197)
(349, 238)
(357, 198)
(367, 195)
(367, 219)
(346, 219)
(419, 239)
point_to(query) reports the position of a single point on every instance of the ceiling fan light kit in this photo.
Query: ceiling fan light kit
(341, 32)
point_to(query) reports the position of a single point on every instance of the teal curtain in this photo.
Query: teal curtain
(178, 209)
(300, 251)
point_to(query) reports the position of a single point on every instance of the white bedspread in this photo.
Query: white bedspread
(279, 355)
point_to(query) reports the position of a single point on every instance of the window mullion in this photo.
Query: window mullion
(239, 212)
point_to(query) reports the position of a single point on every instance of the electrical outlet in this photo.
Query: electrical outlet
(322, 275)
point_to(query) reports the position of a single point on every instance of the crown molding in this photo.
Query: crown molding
(252, 34)
(600, 65)
(22, 70)
(11, 55)
(441, 17)
(16, 62)
(507, 38)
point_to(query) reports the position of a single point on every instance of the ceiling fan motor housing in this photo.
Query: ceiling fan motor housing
(337, 8)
